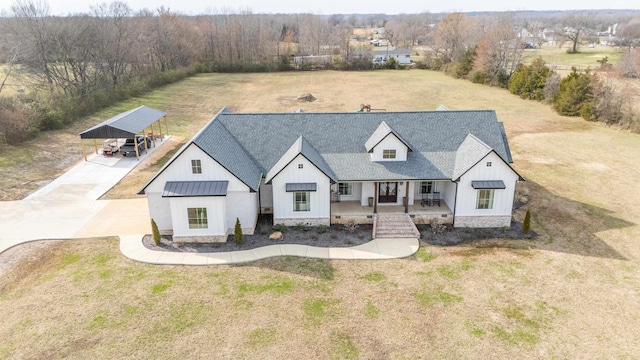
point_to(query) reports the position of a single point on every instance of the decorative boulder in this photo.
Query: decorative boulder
(276, 235)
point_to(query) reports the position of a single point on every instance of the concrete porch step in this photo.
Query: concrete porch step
(394, 226)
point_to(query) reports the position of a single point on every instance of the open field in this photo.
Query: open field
(587, 57)
(573, 292)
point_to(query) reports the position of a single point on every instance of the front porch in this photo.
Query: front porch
(352, 211)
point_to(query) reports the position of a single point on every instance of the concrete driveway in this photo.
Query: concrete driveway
(67, 208)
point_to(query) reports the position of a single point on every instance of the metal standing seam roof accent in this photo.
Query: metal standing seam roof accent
(488, 184)
(195, 188)
(291, 187)
(124, 125)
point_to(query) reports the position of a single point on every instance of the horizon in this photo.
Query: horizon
(329, 7)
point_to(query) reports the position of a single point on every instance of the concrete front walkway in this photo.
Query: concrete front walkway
(131, 246)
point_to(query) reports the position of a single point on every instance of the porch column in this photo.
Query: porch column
(375, 197)
(406, 198)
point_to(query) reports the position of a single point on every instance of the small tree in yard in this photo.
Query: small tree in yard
(156, 232)
(526, 224)
(237, 233)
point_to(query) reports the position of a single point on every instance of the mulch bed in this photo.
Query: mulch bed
(449, 236)
(331, 236)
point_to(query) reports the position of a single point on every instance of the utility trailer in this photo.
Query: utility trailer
(110, 147)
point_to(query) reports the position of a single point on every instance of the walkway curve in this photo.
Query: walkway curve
(132, 247)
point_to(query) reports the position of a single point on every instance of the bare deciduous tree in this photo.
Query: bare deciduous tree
(453, 36)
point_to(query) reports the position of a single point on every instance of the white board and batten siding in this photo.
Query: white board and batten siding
(390, 142)
(320, 199)
(216, 214)
(500, 214)
(239, 202)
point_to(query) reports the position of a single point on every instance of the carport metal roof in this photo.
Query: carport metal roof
(124, 125)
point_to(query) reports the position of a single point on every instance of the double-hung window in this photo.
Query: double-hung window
(301, 201)
(196, 167)
(427, 187)
(345, 188)
(197, 218)
(485, 199)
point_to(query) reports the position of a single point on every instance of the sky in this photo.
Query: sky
(327, 7)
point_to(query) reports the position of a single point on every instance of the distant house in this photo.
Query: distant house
(327, 168)
(380, 57)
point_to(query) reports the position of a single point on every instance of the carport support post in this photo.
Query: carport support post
(144, 140)
(166, 125)
(84, 150)
(135, 144)
(95, 145)
(153, 136)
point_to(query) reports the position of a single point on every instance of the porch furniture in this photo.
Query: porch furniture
(430, 199)
(435, 198)
(426, 200)
(335, 196)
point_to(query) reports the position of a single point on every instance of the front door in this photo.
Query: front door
(388, 192)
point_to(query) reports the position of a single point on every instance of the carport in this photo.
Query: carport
(128, 125)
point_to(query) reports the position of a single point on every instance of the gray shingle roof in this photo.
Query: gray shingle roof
(381, 132)
(469, 153)
(195, 188)
(301, 146)
(124, 125)
(339, 139)
(215, 140)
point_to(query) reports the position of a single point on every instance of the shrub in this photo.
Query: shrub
(479, 77)
(301, 227)
(16, 122)
(156, 232)
(463, 67)
(574, 95)
(279, 227)
(322, 229)
(391, 63)
(237, 233)
(350, 227)
(529, 81)
(526, 224)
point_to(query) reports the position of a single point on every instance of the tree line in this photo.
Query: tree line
(74, 65)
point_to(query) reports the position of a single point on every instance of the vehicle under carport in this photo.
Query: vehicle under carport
(128, 125)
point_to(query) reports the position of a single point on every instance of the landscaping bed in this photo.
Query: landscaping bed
(320, 236)
(447, 235)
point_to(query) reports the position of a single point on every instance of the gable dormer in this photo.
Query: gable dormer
(387, 145)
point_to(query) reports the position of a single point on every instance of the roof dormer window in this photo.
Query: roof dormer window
(389, 153)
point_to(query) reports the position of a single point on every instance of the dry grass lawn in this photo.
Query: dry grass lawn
(571, 293)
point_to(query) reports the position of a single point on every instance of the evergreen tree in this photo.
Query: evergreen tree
(237, 233)
(574, 95)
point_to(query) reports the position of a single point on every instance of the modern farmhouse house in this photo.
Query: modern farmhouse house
(326, 168)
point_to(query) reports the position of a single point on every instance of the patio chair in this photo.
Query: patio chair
(426, 200)
(435, 199)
